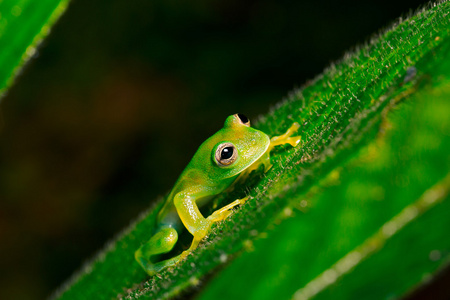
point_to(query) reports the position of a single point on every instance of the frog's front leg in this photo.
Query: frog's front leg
(285, 138)
(194, 221)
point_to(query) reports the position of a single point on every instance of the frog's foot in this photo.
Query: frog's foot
(224, 212)
(286, 138)
(216, 216)
(160, 243)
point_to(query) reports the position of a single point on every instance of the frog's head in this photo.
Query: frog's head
(236, 146)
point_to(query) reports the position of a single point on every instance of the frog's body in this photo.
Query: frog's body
(233, 151)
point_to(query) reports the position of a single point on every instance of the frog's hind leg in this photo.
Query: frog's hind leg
(160, 243)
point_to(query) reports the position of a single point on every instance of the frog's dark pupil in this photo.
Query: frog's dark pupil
(227, 152)
(243, 118)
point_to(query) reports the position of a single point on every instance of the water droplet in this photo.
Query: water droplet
(16, 10)
(435, 255)
(410, 74)
(31, 51)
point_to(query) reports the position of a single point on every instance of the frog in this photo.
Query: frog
(225, 158)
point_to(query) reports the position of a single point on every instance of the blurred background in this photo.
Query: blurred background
(119, 97)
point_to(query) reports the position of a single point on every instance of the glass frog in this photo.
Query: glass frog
(232, 152)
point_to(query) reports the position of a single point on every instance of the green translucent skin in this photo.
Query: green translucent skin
(203, 178)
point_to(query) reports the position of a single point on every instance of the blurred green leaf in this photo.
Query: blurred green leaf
(335, 216)
(23, 25)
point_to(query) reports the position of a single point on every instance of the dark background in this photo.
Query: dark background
(119, 97)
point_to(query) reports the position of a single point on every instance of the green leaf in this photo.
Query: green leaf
(373, 229)
(358, 210)
(23, 25)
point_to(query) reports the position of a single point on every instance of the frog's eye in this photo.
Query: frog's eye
(243, 119)
(226, 154)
